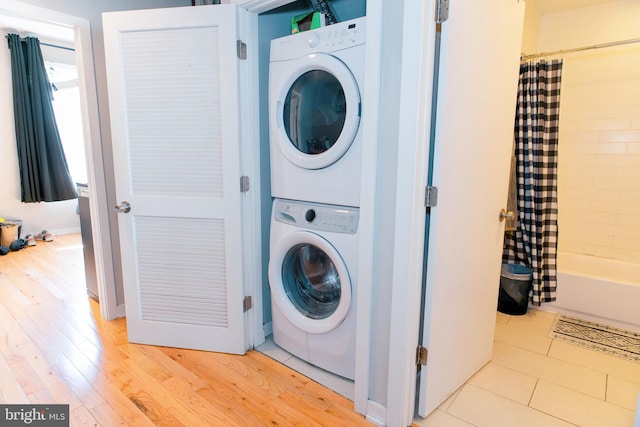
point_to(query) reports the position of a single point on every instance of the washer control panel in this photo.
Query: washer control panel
(316, 216)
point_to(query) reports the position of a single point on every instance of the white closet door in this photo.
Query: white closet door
(173, 91)
(474, 137)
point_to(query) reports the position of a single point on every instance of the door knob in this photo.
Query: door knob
(123, 207)
(505, 215)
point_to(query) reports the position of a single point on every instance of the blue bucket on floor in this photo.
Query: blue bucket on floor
(515, 285)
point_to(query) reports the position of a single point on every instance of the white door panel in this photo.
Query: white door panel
(474, 136)
(173, 93)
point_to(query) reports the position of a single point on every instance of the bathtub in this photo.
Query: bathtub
(598, 289)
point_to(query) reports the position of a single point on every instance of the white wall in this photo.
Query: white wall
(531, 28)
(599, 148)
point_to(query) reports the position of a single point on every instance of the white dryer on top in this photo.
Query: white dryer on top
(315, 103)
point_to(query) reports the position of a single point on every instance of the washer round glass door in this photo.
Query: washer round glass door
(309, 282)
(317, 111)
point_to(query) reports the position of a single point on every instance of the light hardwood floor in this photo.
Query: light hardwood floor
(55, 348)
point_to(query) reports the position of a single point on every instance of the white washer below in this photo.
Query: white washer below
(313, 259)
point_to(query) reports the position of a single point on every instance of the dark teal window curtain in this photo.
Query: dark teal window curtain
(44, 173)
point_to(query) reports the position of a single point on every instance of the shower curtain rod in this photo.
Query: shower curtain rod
(57, 47)
(578, 49)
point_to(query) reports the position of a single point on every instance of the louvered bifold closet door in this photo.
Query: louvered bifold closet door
(172, 76)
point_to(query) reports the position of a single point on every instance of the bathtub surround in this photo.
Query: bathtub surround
(599, 174)
(534, 242)
(599, 151)
(598, 289)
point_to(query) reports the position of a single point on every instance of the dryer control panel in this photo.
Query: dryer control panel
(316, 216)
(331, 38)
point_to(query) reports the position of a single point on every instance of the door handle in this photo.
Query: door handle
(505, 215)
(123, 207)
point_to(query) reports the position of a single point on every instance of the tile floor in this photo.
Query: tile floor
(535, 381)
(531, 381)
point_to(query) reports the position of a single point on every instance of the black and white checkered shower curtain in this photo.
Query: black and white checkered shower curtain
(534, 242)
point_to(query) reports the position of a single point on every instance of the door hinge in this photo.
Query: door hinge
(430, 196)
(442, 11)
(244, 184)
(241, 48)
(421, 355)
(247, 303)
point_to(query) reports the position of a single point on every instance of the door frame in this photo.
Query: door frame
(412, 128)
(409, 244)
(250, 166)
(98, 202)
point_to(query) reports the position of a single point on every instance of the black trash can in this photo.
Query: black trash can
(515, 285)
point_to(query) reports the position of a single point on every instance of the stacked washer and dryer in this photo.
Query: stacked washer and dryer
(315, 81)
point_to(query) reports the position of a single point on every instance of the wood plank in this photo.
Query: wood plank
(11, 390)
(12, 338)
(157, 402)
(53, 350)
(268, 409)
(233, 414)
(177, 370)
(247, 389)
(56, 348)
(108, 416)
(43, 397)
(314, 412)
(117, 406)
(56, 385)
(82, 417)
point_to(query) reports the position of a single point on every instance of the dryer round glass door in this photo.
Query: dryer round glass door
(317, 111)
(309, 282)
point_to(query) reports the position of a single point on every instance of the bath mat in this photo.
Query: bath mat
(595, 336)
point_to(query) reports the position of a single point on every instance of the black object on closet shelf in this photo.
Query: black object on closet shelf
(324, 6)
(204, 2)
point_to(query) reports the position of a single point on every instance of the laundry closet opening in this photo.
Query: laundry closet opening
(311, 106)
